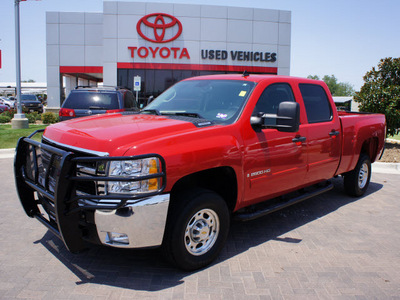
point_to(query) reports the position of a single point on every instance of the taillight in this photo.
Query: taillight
(66, 112)
(114, 110)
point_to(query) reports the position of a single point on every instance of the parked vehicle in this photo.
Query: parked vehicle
(31, 103)
(9, 102)
(85, 101)
(206, 150)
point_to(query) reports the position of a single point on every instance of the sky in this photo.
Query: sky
(345, 38)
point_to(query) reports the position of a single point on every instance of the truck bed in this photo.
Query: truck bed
(360, 130)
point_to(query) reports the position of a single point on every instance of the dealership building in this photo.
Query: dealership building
(162, 43)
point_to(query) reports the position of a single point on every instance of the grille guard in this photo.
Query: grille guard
(64, 204)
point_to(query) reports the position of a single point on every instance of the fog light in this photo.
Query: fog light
(113, 238)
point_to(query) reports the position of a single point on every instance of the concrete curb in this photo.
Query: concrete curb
(386, 168)
(377, 167)
(7, 153)
(393, 141)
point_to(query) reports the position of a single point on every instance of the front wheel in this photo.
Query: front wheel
(356, 182)
(197, 228)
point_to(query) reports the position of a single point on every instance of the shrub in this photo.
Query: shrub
(36, 115)
(4, 118)
(49, 118)
(9, 113)
(31, 118)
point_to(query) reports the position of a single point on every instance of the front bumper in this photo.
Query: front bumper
(138, 225)
(55, 187)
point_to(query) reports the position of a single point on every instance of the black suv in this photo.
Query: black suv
(31, 103)
(86, 101)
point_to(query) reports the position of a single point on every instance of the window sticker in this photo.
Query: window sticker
(221, 116)
(242, 93)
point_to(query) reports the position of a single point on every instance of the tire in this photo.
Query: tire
(356, 182)
(197, 228)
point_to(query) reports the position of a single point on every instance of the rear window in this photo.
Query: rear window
(88, 100)
(129, 101)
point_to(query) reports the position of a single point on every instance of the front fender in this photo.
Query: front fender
(196, 151)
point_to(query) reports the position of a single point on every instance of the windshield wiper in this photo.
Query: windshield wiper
(185, 114)
(151, 111)
(178, 113)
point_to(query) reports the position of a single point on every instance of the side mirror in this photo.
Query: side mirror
(287, 118)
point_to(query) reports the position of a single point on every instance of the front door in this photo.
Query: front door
(274, 162)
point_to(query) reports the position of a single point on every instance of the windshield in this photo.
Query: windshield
(220, 101)
(91, 100)
(29, 98)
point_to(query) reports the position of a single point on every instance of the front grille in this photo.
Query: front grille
(87, 187)
(42, 168)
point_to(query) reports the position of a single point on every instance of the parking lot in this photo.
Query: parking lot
(331, 246)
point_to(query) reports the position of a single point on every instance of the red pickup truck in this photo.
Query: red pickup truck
(207, 150)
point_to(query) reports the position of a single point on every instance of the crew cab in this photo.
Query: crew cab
(207, 150)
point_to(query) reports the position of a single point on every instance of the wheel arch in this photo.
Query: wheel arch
(221, 180)
(370, 147)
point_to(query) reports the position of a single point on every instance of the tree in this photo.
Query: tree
(337, 88)
(381, 92)
(315, 77)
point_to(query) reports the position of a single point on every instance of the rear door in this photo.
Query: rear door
(323, 129)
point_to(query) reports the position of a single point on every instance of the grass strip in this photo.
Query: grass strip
(9, 137)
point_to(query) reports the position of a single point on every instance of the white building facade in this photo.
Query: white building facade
(162, 43)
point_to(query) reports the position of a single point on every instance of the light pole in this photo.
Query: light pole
(19, 120)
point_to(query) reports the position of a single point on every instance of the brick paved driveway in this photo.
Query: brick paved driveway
(331, 246)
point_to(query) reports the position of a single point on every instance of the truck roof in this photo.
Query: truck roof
(252, 77)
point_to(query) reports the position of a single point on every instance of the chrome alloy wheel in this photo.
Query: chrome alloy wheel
(201, 232)
(363, 176)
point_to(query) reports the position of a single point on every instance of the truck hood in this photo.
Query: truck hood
(117, 133)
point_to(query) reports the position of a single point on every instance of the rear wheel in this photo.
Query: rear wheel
(356, 182)
(197, 229)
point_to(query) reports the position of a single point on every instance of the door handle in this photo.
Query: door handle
(299, 139)
(334, 133)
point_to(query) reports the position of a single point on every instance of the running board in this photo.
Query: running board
(271, 206)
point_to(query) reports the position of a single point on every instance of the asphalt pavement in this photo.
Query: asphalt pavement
(328, 247)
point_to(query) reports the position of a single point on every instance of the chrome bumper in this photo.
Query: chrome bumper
(138, 225)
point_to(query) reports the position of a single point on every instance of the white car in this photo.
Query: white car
(7, 101)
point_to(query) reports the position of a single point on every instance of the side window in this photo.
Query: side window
(270, 99)
(317, 105)
(129, 101)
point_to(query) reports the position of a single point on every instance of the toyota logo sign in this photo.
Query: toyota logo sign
(160, 24)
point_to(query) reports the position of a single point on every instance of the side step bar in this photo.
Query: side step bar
(271, 206)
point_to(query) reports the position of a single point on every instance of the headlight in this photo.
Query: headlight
(133, 169)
